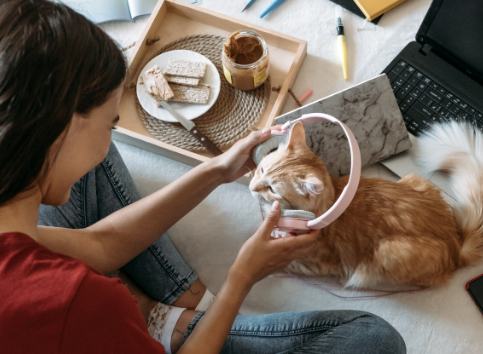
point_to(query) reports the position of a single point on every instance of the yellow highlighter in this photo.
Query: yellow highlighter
(342, 46)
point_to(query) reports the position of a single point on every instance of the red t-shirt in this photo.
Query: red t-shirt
(51, 303)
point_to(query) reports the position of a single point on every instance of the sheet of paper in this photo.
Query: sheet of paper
(101, 11)
(194, 2)
(141, 7)
(146, 7)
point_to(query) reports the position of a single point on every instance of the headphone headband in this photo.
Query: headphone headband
(355, 175)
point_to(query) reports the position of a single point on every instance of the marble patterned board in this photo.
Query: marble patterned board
(370, 110)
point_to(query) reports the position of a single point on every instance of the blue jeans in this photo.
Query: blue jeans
(164, 275)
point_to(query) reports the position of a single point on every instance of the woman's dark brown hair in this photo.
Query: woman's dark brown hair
(53, 63)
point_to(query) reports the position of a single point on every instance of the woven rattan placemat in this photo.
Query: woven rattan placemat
(234, 114)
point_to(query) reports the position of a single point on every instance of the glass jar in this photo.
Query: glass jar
(245, 60)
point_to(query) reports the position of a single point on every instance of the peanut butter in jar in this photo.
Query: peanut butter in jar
(245, 60)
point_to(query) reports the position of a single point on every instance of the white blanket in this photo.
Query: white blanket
(442, 320)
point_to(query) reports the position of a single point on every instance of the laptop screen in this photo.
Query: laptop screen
(455, 31)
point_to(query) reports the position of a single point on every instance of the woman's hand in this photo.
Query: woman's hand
(237, 161)
(262, 255)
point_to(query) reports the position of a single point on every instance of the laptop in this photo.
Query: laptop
(439, 76)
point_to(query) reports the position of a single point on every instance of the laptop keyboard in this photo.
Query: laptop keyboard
(423, 101)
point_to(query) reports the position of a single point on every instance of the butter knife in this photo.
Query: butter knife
(190, 126)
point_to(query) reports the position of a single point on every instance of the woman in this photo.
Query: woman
(60, 84)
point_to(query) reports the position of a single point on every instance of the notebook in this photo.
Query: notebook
(99, 11)
(351, 6)
(439, 76)
(375, 8)
(370, 110)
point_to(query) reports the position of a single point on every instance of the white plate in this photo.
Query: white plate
(188, 110)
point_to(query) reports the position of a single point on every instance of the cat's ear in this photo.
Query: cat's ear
(297, 136)
(311, 185)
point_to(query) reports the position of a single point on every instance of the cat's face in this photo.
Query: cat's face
(294, 176)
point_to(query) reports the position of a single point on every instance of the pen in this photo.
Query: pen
(342, 45)
(271, 7)
(305, 95)
(250, 3)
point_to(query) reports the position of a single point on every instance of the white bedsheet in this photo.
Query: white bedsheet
(442, 320)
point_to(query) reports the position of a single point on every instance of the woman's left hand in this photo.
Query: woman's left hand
(237, 161)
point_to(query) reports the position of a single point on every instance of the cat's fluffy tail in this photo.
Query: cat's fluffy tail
(457, 148)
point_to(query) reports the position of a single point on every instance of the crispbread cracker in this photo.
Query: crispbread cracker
(185, 68)
(191, 94)
(182, 80)
(156, 84)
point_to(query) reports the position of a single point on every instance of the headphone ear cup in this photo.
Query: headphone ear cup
(301, 214)
(268, 146)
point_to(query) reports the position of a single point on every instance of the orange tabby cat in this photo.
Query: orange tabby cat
(393, 232)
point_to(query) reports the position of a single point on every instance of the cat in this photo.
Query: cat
(393, 233)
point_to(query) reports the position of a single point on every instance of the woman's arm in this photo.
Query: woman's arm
(115, 240)
(259, 256)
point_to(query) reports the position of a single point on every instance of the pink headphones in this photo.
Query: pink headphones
(300, 221)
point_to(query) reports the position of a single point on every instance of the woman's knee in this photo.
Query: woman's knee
(357, 332)
(378, 336)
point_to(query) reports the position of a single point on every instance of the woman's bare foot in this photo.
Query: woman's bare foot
(181, 326)
(189, 299)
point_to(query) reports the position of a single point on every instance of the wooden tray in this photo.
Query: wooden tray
(173, 19)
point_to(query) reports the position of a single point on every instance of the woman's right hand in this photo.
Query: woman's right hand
(262, 255)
